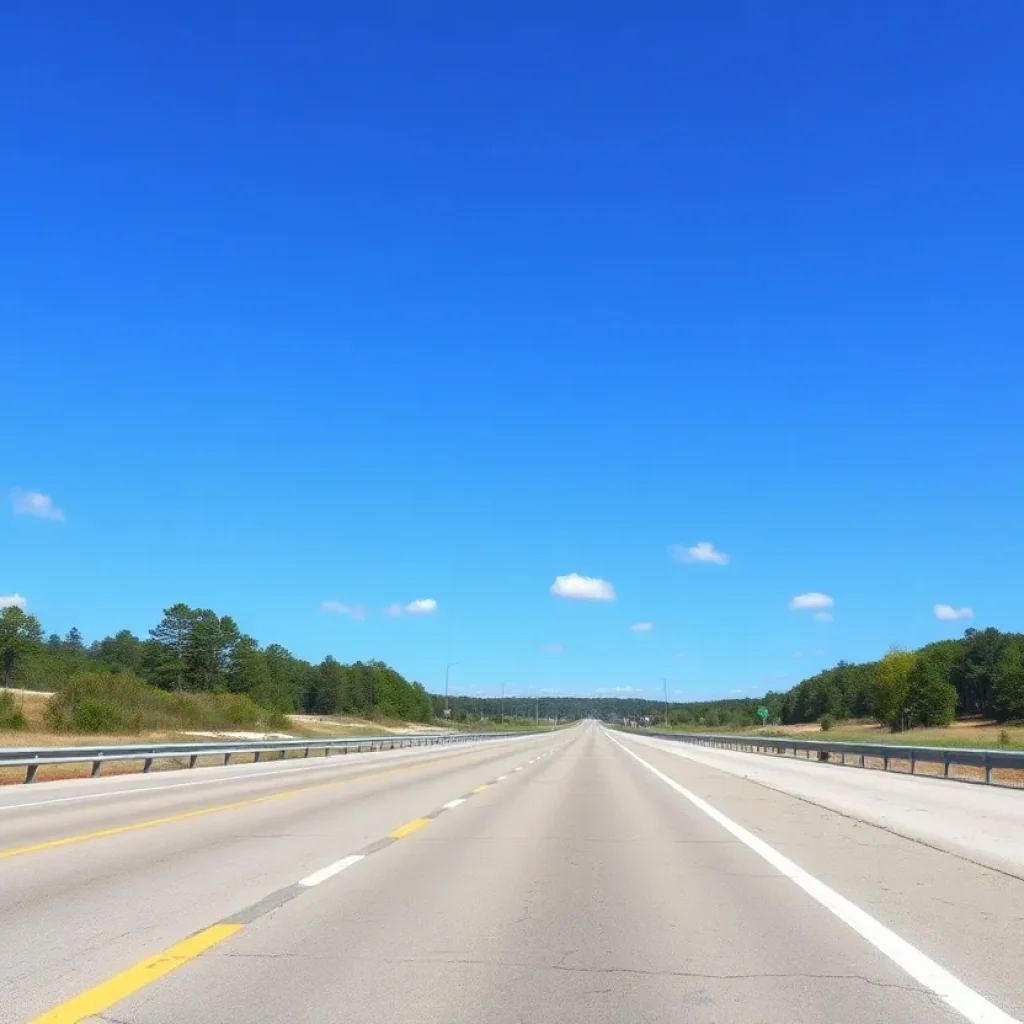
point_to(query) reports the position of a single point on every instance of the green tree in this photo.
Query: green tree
(123, 650)
(73, 643)
(891, 684)
(248, 672)
(931, 698)
(1009, 682)
(20, 634)
(208, 649)
(171, 635)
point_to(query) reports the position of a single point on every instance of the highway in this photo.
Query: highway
(583, 875)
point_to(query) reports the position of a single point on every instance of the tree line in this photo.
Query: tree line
(981, 674)
(195, 650)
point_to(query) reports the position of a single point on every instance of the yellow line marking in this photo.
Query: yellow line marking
(84, 837)
(410, 826)
(96, 1000)
(480, 789)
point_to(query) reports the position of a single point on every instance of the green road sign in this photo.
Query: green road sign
(763, 713)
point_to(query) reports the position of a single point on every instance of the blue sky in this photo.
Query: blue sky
(438, 303)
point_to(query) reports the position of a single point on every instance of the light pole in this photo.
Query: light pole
(447, 668)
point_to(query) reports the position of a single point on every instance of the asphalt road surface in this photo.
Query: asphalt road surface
(583, 875)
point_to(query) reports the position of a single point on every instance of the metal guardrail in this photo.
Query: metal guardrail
(33, 758)
(837, 752)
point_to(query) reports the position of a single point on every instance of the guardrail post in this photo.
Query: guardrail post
(988, 769)
(913, 762)
(96, 766)
(227, 758)
(193, 760)
(281, 753)
(307, 751)
(30, 772)
(256, 756)
(147, 764)
(945, 765)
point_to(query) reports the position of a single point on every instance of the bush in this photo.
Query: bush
(826, 722)
(11, 716)
(93, 702)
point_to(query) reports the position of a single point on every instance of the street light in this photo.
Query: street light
(447, 709)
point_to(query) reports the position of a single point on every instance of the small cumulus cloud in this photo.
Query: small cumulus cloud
(33, 503)
(735, 691)
(807, 602)
(823, 616)
(619, 691)
(12, 601)
(703, 551)
(642, 627)
(553, 648)
(582, 588)
(947, 613)
(353, 611)
(421, 606)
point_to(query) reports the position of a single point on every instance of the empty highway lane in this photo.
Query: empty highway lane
(577, 876)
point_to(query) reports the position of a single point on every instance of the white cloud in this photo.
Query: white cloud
(735, 691)
(823, 616)
(421, 606)
(803, 602)
(642, 627)
(582, 588)
(32, 503)
(553, 648)
(947, 613)
(355, 611)
(608, 691)
(703, 551)
(12, 601)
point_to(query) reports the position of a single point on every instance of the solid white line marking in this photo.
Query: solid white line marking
(951, 990)
(501, 778)
(520, 768)
(454, 803)
(332, 869)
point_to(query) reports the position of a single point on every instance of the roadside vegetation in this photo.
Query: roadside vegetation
(195, 670)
